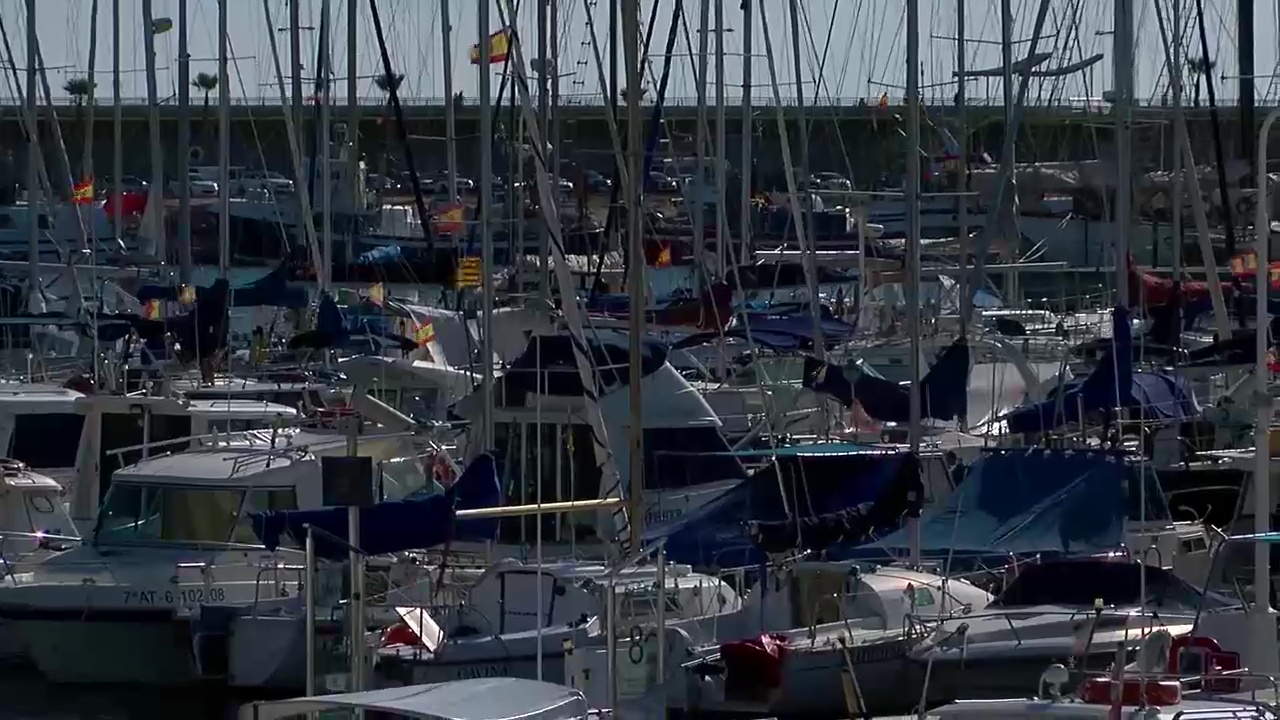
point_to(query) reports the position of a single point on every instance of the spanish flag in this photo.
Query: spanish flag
(499, 47)
(377, 294)
(663, 258)
(424, 333)
(450, 219)
(151, 310)
(82, 193)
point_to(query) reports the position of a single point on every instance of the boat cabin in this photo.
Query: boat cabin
(121, 430)
(504, 598)
(205, 496)
(814, 593)
(30, 505)
(547, 450)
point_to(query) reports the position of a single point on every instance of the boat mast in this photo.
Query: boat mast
(117, 129)
(355, 184)
(1009, 150)
(962, 182)
(486, 238)
(722, 223)
(450, 128)
(224, 145)
(324, 80)
(744, 133)
(33, 176)
(912, 192)
(184, 148)
(633, 205)
(155, 199)
(84, 212)
(700, 149)
(544, 237)
(1124, 158)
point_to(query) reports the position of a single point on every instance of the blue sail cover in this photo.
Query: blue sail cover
(1112, 384)
(1023, 502)
(944, 390)
(271, 290)
(414, 523)
(823, 479)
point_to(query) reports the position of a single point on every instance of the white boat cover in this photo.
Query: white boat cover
(475, 699)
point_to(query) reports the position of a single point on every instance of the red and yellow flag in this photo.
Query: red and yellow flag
(377, 294)
(499, 47)
(450, 219)
(151, 310)
(82, 193)
(424, 333)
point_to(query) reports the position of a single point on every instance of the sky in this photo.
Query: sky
(855, 47)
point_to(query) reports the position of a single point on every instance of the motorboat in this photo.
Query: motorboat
(173, 534)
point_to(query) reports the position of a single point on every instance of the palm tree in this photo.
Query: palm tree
(79, 89)
(1198, 67)
(205, 83)
(387, 82)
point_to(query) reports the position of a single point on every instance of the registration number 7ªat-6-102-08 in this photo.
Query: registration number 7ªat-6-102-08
(174, 596)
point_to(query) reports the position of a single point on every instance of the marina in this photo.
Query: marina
(569, 397)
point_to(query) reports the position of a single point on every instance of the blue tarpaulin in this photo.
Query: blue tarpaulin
(1112, 384)
(409, 524)
(817, 480)
(1031, 501)
(944, 390)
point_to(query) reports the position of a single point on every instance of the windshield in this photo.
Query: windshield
(135, 512)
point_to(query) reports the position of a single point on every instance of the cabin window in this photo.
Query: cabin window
(7, 223)
(148, 513)
(46, 440)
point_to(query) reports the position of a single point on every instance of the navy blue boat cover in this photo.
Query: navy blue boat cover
(1024, 502)
(415, 523)
(944, 390)
(818, 480)
(1112, 384)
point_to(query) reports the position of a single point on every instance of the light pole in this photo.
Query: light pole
(1261, 656)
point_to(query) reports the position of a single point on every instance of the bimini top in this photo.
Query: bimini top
(500, 698)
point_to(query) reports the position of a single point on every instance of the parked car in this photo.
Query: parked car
(661, 182)
(597, 183)
(829, 181)
(200, 187)
(271, 182)
(440, 185)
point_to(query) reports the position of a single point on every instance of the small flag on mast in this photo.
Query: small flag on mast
(499, 47)
(424, 333)
(82, 193)
(377, 294)
(151, 310)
